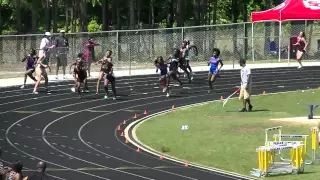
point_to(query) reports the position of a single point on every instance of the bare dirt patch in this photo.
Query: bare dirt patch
(300, 120)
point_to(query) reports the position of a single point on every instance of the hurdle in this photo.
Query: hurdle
(266, 159)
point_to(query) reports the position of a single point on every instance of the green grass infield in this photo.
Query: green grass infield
(222, 137)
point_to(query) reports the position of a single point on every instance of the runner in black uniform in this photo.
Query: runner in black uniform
(182, 59)
(163, 67)
(108, 77)
(173, 69)
(80, 73)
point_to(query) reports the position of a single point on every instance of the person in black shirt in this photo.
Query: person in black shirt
(62, 45)
(40, 173)
(89, 53)
(173, 69)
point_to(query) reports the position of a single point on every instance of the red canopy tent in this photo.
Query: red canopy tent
(289, 10)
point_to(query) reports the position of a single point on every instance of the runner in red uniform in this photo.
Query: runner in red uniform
(300, 47)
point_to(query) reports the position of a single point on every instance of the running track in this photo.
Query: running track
(78, 137)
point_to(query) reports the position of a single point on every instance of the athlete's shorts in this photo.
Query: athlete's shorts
(109, 77)
(163, 73)
(32, 69)
(82, 75)
(244, 93)
(213, 71)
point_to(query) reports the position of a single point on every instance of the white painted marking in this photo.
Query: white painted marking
(98, 154)
(6, 121)
(29, 137)
(107, 157)
(32, 158)
(1, 139)
(37, 129)
(62, 145)
(19, 125)
(156, 87)
(71, 148)
(107, 147)
(16, 144)
(99, 145)
(88, 152)
(144, 93)
(25, 146)
(41, 150)
(61, 155)
(48, 132)
(57, 134)
(15, 154)
(2, 130)
(34, 148)
(28, 127)
(51, 153)
(14, 133)
(89, 142)
(54, 143)
(74, 139)
(80, 150)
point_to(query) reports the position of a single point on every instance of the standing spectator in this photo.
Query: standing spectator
(89, 53)
(62, 45)
(40, 173)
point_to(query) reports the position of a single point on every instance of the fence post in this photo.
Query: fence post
(117, 48)
(252, 45)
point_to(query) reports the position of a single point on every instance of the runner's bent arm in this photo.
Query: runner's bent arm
(221, 65)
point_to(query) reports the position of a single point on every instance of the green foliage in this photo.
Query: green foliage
(94, 26)
(94, 12)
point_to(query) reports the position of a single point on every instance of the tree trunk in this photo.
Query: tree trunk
(196, 12)
(105, 15)
(67, 18)
(118, 15)
(138, 11)
(169, 40)
(114, 12)
(83, 16)
(245, 19)
(131, 14)
(180, 13)
(234, 16)
(151, 22)
(1, 39)
(203, 11)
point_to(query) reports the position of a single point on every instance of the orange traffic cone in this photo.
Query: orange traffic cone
(118, 128)
(172, 108)
(127, 142)
(135, 116)
(161, 157)
(138, 150)
(122, 134)
(221, 98)
(186, 164)
(145, 112)
(124, 122)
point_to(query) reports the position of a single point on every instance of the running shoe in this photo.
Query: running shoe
(105, 97)
(73, 89)
(22, 87)
(35, 92)
(168, 94)
(114, 98)
(243, 110)
(250, 108)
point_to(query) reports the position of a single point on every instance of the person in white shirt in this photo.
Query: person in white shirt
(43, 61)
(246, 83)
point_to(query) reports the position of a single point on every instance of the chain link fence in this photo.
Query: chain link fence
(136, 49)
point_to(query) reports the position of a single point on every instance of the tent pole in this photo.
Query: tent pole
(252, 44)
(279, 46)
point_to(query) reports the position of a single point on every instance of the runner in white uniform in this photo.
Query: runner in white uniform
(43, 62)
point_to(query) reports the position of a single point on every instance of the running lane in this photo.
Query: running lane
(78, 138)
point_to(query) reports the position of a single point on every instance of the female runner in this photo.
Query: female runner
(108, 77)
(214, 70)
(80, 63)
(300, 47)
(163, 67)
(102, 61)
(188, 47)
(182, 60)
(173, 69)
(42, 65)
(31, 60)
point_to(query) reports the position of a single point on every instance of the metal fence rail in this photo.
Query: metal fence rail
(136, 49)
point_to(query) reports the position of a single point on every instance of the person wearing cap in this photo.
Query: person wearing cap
(89, 53)
(246, 83)
(62, 44)
(39, 174)
(43, 61)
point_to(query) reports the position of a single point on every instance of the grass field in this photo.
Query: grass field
(226, 139)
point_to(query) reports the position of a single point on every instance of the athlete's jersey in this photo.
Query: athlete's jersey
(163, 68)
(44, 47)
(30, 62)
(173, 65)
(80, 66)
(214, 62)
(107, 68)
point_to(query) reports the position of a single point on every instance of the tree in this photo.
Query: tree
(196, 12)
(180, 13)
